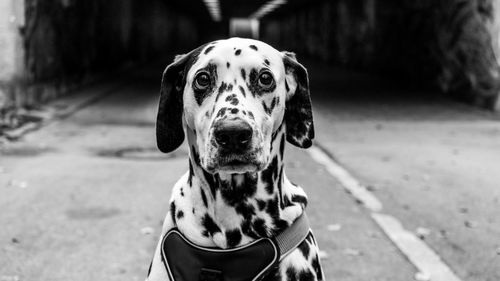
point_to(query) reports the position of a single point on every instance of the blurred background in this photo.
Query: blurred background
(405, 95)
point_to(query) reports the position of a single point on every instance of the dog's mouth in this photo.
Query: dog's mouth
(235, 163)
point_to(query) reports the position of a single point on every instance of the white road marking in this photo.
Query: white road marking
(348, 182)
(418, 253)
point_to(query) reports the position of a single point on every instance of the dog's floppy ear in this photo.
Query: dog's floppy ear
(298, 111)
(169, 131)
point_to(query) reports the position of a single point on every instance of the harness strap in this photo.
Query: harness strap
(291, 237)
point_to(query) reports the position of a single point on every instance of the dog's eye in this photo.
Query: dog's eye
(266, 79)
(202, 81)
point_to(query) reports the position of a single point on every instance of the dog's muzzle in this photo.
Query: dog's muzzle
(233, 147)
(233, 136)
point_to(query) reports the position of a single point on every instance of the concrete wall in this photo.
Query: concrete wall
(444, 44)
(65, 43)
(11, 51)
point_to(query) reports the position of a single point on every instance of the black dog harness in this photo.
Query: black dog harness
(186, 261)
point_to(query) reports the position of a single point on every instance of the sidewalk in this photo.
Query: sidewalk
(431, 161)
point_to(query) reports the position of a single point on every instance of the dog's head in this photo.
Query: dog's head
(231, 96)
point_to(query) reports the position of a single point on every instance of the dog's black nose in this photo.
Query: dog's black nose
(234, 135)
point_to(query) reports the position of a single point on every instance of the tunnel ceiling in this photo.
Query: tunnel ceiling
(236, 8)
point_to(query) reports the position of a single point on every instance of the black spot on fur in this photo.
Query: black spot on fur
(291, 274)
(311, 239)
(212, 182)
(182, 192)
(299, 199)
(230, 97)
(266, 62)
(287, 88)
(228, 64)
(254, 47)
(272, 207)
(204, 198)
(172, 211)
(280, 225)
(306, 275)
(282, 147)
(221, 112)
(237, 52)
(259, 226)
(180, 214)
(304, 248)
(246, 228)
(251, 115)
(269, 174)
(207, 50)
(275, 134)
(273, 104)
(191, 174)
(253, 83)
(280, 187)
(242, 91)
(195, 156)
(243, 74)
(232, 193)
(267, 110)
(235, 101)
(234, 110)
(261, 204)
(245, 210)
(317, 268)
(222, 88)
(233, 238)
(210, 226)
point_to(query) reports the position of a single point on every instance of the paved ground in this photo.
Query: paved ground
(72, 210)
(434, 163)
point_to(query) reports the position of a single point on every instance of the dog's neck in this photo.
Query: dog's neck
(258, 198)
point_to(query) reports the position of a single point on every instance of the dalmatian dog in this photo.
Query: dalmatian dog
(238, 101)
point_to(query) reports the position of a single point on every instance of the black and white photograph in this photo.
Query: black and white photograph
(250, 140)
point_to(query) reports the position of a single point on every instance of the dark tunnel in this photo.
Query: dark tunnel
(431, 47)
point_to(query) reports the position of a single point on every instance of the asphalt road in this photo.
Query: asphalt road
(83, 198)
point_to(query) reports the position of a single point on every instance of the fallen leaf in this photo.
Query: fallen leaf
(470, 224)
(352, 252)
(323, 255)
(18, 184)
(147, 230)
(420, 276)
(9, 278)
(334, 227)
(423, 232)
(426, 177)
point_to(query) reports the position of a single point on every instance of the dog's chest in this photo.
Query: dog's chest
(209, 222)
